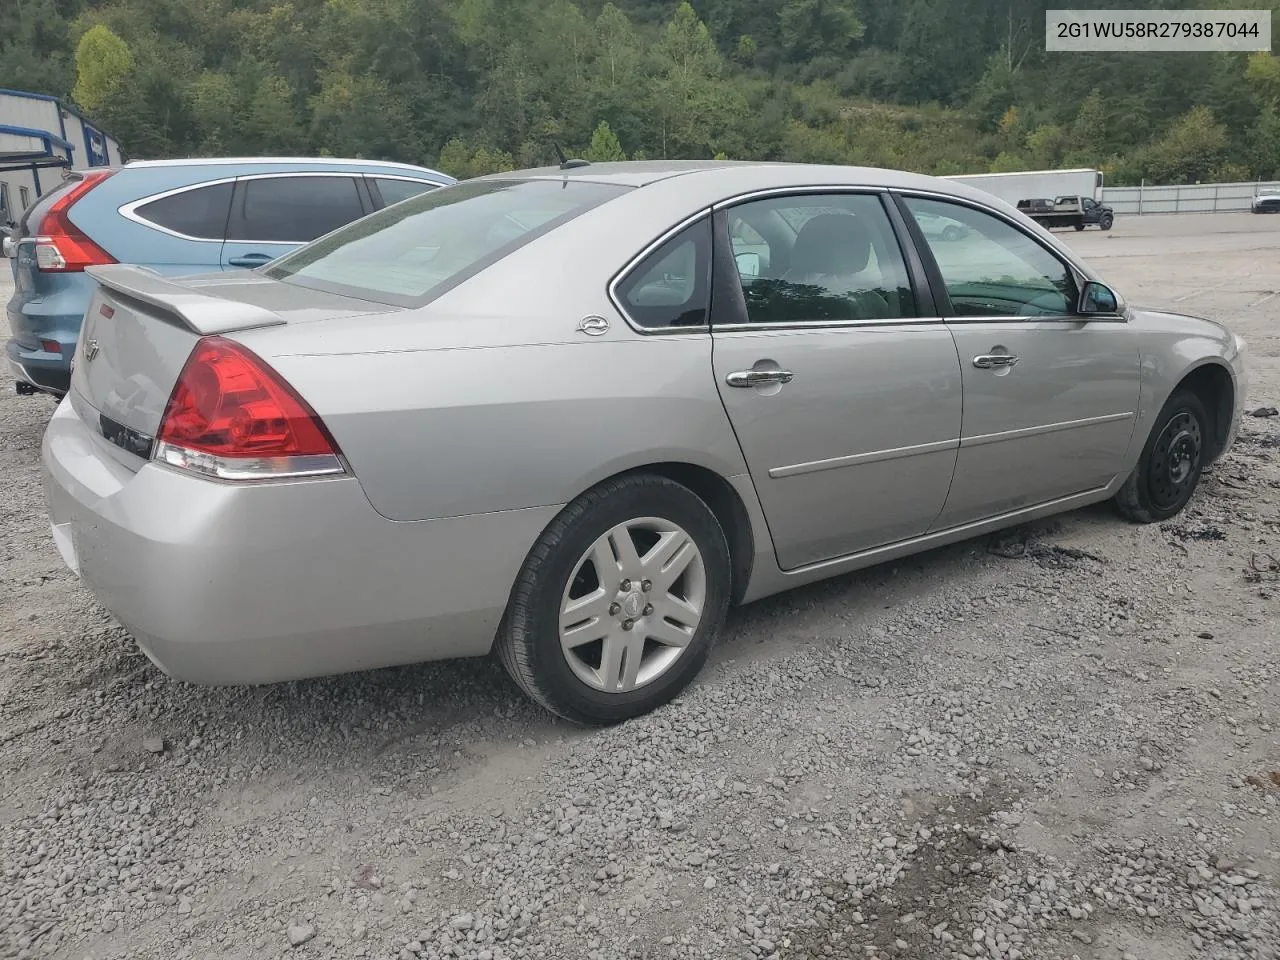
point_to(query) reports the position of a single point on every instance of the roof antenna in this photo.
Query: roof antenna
(567, 164)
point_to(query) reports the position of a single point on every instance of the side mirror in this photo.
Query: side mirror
(748, 264)
(1098, 298)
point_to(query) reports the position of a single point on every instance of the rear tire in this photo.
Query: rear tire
(1169, 469)
(597, 631)
(1079, 226)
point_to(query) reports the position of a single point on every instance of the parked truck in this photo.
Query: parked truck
(1068, 211)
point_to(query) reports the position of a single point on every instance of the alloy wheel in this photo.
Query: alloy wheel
(632, 605)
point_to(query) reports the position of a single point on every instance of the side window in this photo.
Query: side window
(995, 270)
(200, 213)
(671, 287)
(813, 258)
(393, 191)
(6, 215)
(24, 198)
(293, 209)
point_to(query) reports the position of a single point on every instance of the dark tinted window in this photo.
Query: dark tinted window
(671, 287)
(200, 213)
(294, 209)
(5, 213)
(807, 259)
(416, 250)
(393, 191)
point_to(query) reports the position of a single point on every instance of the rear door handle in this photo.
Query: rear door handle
(754, 378)
(250, 260)
(988, 360)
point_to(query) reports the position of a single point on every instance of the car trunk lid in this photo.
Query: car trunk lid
(138, 331)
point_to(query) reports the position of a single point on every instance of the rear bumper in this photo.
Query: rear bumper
(53, 316)
(48, 371)
(256, 583)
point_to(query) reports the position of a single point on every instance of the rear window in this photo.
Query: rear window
(200, 213)
(410, 253)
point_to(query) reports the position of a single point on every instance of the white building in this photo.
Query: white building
(40, 137)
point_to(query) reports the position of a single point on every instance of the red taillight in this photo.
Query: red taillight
(232, 417)
(61, 246)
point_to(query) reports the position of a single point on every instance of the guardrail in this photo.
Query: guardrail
(1185, 198)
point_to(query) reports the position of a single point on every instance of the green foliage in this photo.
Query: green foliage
(474, 86)
(1194, 149)
(604, 145)
(103, 64)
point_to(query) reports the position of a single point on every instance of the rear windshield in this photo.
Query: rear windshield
(409, 253)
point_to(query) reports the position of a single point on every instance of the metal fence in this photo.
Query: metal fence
(1185, 198)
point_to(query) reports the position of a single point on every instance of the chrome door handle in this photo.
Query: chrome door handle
(754, 378)
(988, 360)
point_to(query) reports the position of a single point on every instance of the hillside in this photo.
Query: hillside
(941, 86)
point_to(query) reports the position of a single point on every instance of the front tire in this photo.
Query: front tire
(619, 601)
(1169, 469)
(1106, 222)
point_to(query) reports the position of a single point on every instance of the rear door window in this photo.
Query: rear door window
(395, 190)
(293, 209)
(200, 214)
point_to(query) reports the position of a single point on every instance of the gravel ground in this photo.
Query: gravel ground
(1058, 743)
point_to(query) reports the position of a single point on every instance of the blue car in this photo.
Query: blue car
(176, 217)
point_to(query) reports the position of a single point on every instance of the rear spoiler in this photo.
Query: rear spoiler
(200, 312)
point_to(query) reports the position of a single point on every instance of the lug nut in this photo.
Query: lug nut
(614, 609)
(648, 609)
(646, 585)
(624, 586)
(628, 624)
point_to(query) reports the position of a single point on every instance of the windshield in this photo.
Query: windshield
(411, 252)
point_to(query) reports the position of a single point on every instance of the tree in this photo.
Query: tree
(809, 29)
(1091, 128)
(1193, 148)
(604, 145)
(1263, 77)
(103, 62)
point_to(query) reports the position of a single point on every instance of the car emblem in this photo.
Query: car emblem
(91, 349)
(593, 326)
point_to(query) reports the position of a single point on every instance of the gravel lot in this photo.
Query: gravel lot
(1061, 743)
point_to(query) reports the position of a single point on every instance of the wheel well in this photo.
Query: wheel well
(1216, 390)
(718, 494)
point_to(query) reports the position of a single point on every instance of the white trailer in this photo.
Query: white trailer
(1034, 184)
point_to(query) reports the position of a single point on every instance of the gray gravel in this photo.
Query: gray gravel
(1064, 751)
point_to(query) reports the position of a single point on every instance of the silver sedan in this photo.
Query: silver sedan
(571, 415)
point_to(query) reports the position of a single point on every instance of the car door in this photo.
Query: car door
(842, 386)
(274, 213)
(1050, 395)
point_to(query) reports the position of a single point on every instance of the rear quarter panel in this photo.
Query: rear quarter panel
(490, 399)
(97, 214)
